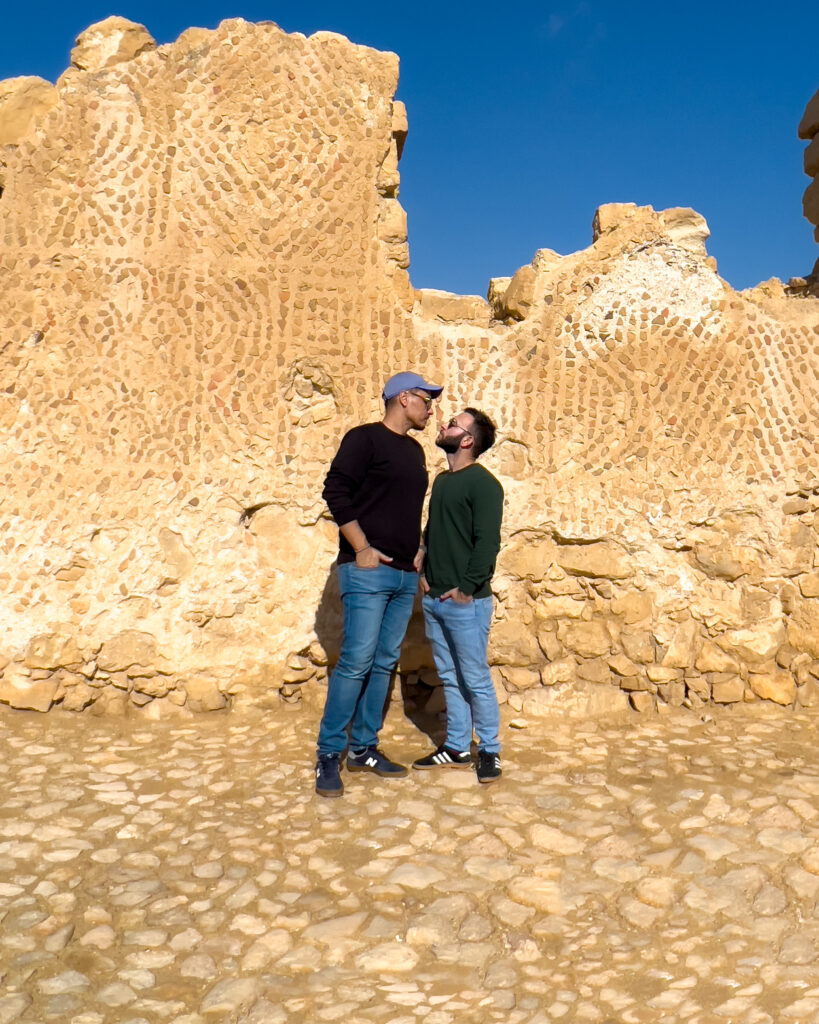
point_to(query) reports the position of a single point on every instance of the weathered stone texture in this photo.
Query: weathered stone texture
(110, 42)
(809, 129)
(203, 263)
(24, 102)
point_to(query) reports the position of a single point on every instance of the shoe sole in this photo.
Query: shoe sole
(485, 782)
(375, 771)
(446, 764)
(330, 792)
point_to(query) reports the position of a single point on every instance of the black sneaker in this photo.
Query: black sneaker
(328, 779)
(444, 757)
(372, 760)
(489, 768)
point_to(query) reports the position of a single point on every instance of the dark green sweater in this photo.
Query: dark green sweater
(463, 532)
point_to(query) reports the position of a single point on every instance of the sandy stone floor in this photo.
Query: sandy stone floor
(648, 870)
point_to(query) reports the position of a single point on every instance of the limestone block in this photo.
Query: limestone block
(727, 562)
(803, 627)
(807, 695)
(19, 690)
(109, 42)
(453, 309)
(52, 650)
(601, 559)
(687, 229)
(623, 666)
(727, 691)
(204, 695)
(662, 673)
(548, 643)
(588, 639)
(638, 646)
(516, 677)
(632, 606)
(673, 693)
(560, 671)
(512, 640)
(559, 608)
(682, 645)
(558, 584)
(388, 178)
(642, 702)
(78, 697)
(518, 298)
(528, 556)
(712, 659)
(810, 202)
(809, 584)
(810, 160)
(399, 125)
(192, 38)
(637, 683)
(24, 102)
(610, 216)
(775, 684)
(594, 670)
(796, 547)
(545, 260)
(809, 125)
(698, 685)
(757, 643)
(151, 686)
(579, 700)
(130, 647)
(392, 222)
(495, 293)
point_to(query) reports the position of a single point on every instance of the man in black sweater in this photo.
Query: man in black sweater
(375, 491)
(462, 540)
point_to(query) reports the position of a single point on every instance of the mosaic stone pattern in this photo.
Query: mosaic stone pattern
(203, 261)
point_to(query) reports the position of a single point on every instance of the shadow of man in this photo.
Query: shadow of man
(415, 677)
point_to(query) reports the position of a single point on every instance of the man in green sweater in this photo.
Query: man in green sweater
(461, 543)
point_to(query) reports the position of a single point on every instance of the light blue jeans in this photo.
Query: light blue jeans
(458, 634)
(376, 607)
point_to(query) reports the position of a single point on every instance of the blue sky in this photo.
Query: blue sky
(523, 119)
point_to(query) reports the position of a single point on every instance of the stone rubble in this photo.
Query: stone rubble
(632, 870)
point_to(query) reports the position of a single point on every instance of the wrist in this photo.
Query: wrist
(365, 548)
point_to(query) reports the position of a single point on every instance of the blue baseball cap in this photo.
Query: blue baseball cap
(406, 381)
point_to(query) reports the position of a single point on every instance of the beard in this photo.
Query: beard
(450, 445)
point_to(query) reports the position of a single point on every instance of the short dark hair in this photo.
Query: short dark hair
(482, 430)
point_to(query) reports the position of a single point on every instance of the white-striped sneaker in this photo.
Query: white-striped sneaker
(444, 757)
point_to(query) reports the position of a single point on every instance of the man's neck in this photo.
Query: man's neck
(396, 421)
(459, 460)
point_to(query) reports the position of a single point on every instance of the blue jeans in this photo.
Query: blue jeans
(458, 634)
(376, 607)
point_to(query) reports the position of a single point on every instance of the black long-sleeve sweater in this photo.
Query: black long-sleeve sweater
(379, 478)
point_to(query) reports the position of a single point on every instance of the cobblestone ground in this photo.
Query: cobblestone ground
(651, 869)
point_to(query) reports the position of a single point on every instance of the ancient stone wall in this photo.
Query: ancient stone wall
(204, 264)
(809, 129)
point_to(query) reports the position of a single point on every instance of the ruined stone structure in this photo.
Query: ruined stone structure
(203, 266)
(809, 129)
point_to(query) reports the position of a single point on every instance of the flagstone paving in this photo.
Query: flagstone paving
(640, 870)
